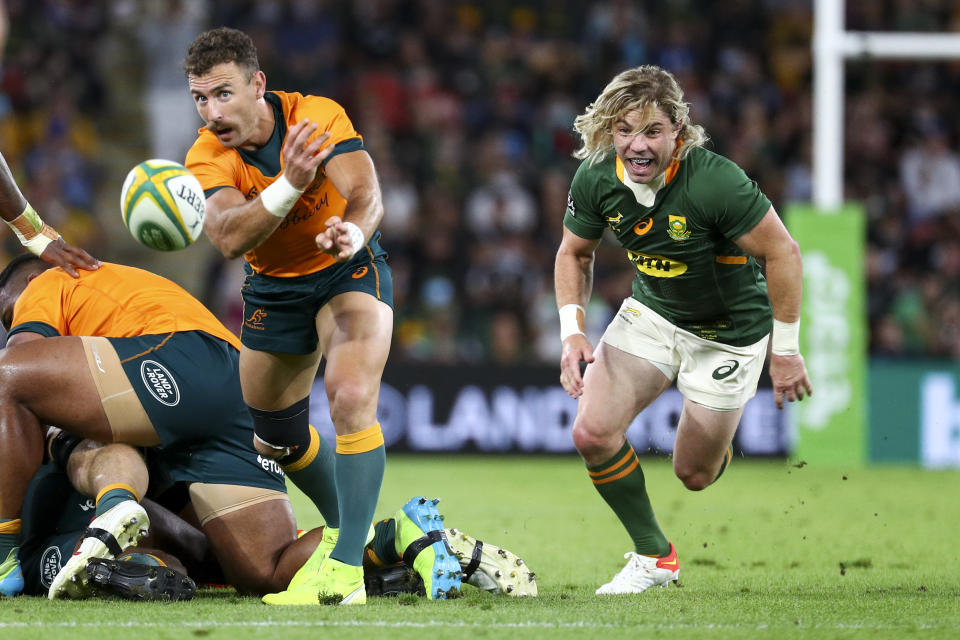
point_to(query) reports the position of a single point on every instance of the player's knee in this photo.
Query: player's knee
(348, 400)
(270, 451)
(693, 478)
(278, 433)
(590, 439)
(257, 581)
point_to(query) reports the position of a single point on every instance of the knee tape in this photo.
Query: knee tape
(286, 430)
(60, 446)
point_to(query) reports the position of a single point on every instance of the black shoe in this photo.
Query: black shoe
(137, 581)
(392, 581)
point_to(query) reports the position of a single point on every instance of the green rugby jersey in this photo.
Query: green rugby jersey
(680, 240)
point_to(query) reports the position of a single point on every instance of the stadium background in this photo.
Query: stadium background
(466, 108)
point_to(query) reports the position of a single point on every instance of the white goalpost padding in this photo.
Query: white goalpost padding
(832, 46)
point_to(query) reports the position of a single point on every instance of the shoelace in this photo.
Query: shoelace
(633, 566)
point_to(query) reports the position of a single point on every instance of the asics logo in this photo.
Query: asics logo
(359, 273)
(643, 226)
(724, 370)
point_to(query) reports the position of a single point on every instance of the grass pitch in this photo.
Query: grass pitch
(774, 550)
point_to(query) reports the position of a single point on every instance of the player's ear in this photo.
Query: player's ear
(260, 83)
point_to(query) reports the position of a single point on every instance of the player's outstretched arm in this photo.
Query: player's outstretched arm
(573, 281)
(235, 225)
(37, 236)
(769, 240)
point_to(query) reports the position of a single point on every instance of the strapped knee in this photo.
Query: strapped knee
(60, 445)
(286, 432)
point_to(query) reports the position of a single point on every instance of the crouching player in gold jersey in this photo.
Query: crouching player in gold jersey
(121, 355)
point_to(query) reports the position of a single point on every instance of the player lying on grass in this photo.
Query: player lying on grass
(123, 355)
(56, 513)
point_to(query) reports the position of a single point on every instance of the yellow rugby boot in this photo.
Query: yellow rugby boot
(335, 583)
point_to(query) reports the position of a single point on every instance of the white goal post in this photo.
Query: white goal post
(832, 46)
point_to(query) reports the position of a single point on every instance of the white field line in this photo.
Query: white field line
(440, 624)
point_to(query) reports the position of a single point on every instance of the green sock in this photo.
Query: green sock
(620, 482)
(383, 543)
(727, 458)
(9, 532)
(112, 496)
(312, 469)
(361, 459)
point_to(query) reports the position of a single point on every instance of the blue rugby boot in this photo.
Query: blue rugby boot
(11, 575)
(422, 543)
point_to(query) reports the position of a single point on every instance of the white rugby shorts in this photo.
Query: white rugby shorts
(715, 375)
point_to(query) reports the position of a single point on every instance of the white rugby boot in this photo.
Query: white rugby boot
(643, 572)
(106, 537)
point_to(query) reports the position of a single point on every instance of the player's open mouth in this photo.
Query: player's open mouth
(641, 163)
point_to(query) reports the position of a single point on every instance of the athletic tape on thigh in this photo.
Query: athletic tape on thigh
(211, 501)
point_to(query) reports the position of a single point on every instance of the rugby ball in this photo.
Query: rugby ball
(162, 205)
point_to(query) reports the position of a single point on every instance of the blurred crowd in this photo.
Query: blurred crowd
(467, 107)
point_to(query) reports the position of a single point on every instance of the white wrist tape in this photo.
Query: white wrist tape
(572, 319)
(356, 236)
(786, 338)
(279, 197)
(32, 232)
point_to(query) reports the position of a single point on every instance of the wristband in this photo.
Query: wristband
(572, 317)
(280, 196)
(356, 237)
(786, 338)
(32, 232)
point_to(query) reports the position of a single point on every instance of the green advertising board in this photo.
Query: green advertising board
(831, 425)
(915, 412)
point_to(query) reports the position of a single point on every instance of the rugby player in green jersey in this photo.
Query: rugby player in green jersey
(693, 226)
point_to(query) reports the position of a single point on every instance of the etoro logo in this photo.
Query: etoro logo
(160, 383)
(49, 565)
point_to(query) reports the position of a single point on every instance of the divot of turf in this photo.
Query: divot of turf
(408, 599)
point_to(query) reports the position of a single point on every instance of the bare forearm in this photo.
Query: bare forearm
(364, 209)
(785, 282)
(573, 279)
(12, 202)
(239, 229)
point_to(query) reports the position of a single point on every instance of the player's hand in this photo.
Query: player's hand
(336, 240)
(790, 380)
(576, 349)
(302, 156)
(69, 257)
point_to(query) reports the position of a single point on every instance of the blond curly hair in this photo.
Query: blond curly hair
(641, 89)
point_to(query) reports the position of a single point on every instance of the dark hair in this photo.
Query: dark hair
(218, 46)
(21, 261)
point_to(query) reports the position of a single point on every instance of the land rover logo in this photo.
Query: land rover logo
(49, 566)
(160, 383)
